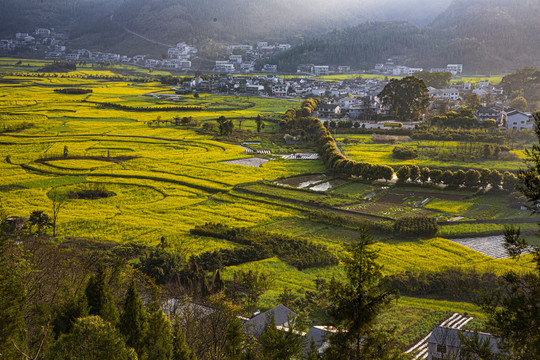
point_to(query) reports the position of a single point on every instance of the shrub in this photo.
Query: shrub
(416, 226)
(404, 153)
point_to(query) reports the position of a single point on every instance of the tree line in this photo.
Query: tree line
(259, 245)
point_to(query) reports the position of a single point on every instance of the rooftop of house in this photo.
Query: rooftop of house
(448, 336)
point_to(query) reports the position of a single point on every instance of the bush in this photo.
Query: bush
(416, 226)
(73, 91)
(261, 245)
(404, 153)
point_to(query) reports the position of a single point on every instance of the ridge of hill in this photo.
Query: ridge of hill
(483, 35)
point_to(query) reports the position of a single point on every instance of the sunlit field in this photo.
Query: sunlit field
(165, 178)
(363, 148)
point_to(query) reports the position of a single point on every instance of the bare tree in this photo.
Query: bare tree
(58, 202)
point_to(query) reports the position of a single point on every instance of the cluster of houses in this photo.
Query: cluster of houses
(42, 39)
(54, 46)
(273, 85)
(242, 58)
(443, 341)
(391, 68)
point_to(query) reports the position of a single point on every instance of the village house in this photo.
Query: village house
(280, 90)
(444, 343)
(454, 68)
(517, 120)
(281, 315)
(319, 70)
(495, 112)
(329, 110)
(445, 94)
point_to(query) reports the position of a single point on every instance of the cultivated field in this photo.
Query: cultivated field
(167, 178)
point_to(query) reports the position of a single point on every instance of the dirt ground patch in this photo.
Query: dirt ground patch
(391, 199)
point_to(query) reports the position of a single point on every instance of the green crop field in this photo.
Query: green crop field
(363, 148)
(164, 179)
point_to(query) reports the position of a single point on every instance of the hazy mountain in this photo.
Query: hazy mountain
(65, 15)
(223, 21)
(484, 35)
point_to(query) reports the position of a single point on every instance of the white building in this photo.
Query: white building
(237, 59)
(72, 57)
(400, 70)
(343, 69)
(224, 66)
(270, 68)
(517, 120)
(282, 47)
(454, 68)
(321, 70)
(446, 94)
(280, 90)
(247, 67)
(42, 32)
(414, 70)
(262, 44)
(241, 47)
(20, 36)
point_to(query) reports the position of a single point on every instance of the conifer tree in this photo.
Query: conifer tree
(181, 350)
(355, 305)
(158, 342)
(133, 322)
(99, 297)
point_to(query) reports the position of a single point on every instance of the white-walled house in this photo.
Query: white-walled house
(321, 70)
(446, 94)
(517, 120)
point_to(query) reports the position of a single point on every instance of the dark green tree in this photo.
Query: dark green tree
(424, 175)
(448, 177)
(259, 123)
(99, 297)
(181, 350)
(356, 303)
(407, 97)
(438, 79)
(403, 174)
(414, 173)
(39, 219)
(92, 338)
(281, 344)
(133, 324)
(472, 101)
(472, 178)
(225, 126)
(158, 342)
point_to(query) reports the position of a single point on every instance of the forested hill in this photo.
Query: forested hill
(90, 24)
(68, 16)
(484, 35)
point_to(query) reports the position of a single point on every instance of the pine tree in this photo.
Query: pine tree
(133, 322)
(99, 297)
(158, 343)
(181, 350)
(354, 305)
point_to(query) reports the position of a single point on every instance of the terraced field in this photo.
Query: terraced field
(167, 179)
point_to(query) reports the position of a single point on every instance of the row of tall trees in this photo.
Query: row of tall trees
(472, 179)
